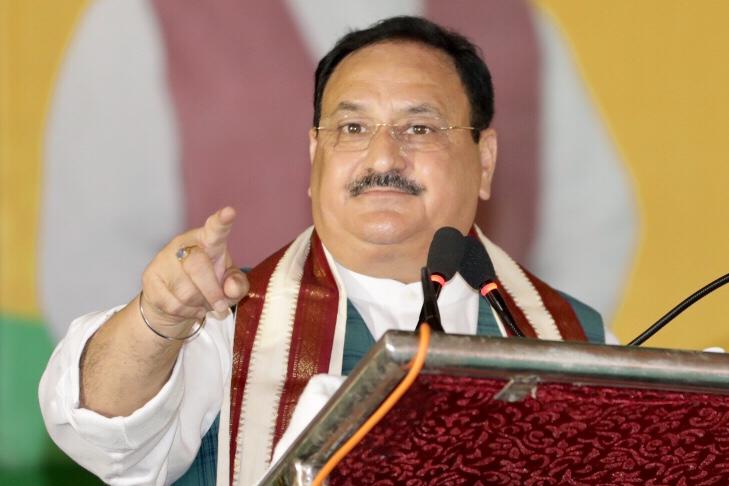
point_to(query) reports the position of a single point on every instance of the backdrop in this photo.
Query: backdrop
(122, 122)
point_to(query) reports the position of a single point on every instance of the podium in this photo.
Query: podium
(522, 411)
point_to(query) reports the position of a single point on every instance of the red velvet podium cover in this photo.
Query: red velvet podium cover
(525, 412)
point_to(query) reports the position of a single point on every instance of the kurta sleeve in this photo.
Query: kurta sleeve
(155, 444)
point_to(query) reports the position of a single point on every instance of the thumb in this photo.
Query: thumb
(235, 284)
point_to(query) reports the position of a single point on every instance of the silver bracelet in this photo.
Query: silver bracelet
(169, 338)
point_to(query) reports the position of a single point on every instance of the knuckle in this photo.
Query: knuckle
(196, 261)
(189, 296)
(168, 307)
(212, 294)
(151, 289)
(177, 308)
(156, 301)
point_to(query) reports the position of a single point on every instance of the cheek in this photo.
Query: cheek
(452, 187)
(330, 177)
(449, 177)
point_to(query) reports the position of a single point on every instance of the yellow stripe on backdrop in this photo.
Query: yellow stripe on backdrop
(658, 72)
(33, 37)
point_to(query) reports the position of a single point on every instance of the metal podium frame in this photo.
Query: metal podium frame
(523, 362)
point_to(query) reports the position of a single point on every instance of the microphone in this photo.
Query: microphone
(478, 270)
(444, 257)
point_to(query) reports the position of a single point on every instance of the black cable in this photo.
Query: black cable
(670, 315)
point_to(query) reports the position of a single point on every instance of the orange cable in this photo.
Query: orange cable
(415, 366)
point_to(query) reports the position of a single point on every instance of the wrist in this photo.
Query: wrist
(167, 327)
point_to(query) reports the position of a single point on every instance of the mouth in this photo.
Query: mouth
(385, 190)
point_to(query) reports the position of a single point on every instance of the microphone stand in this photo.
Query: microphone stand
(430, 313)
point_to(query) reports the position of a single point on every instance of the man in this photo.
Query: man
(400, 147)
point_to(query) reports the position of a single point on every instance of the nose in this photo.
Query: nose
(385, 152)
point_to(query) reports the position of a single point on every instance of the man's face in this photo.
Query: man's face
(396, 83)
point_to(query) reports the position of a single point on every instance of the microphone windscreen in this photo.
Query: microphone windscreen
(446, 252)
(476, 266)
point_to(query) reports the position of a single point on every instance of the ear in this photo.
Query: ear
(313, 142)
(487, 149)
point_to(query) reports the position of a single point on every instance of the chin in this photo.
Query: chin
(386, 231)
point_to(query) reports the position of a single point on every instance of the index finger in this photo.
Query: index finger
(214, 234)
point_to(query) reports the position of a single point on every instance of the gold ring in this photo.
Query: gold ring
(184, 252)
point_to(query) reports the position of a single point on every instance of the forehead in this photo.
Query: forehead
(394, 77)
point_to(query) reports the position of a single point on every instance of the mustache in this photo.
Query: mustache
(384, 179)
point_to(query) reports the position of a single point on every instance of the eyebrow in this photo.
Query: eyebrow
(424, 109)
(348, 106)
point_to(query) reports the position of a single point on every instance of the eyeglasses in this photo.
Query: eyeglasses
(350, 136)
